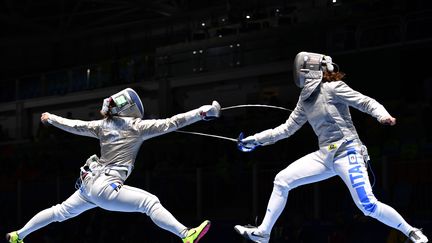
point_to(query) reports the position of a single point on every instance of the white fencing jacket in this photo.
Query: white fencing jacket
(326, 107)
(121, 137)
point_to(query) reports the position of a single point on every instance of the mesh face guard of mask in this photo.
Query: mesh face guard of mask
(305, 62)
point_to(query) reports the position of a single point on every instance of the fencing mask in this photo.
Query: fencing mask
(307, 64)
(126, 103)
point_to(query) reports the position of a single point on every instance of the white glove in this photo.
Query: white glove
(209, 112)
(45, 118)
(388, 120)
(250, 141)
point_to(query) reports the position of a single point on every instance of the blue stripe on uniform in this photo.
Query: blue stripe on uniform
(351, 151)
(367, 205)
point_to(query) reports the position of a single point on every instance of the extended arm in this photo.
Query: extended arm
(362, 102)
(152, 128)
(78, 127)
(270, 136)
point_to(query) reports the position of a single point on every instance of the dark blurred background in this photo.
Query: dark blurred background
(65, 57)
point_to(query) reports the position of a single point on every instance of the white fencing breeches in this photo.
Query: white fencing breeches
(108, 193)
(349, 165)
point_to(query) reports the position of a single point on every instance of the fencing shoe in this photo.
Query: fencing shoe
(195, 234)
(12, 237)
(252, 233)
(417, 236)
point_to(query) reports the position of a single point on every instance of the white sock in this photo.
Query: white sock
(40, 220)
(392, 218)
(165, 220)
(275, 207)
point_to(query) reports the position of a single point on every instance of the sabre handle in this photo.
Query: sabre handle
(247, 144)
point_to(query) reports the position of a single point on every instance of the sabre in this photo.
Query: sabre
(208, 135)
(230, 108)
(255, 105)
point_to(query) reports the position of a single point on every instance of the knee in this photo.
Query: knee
(152, 204)
(61, 213)
(279, 179)
(281, 185)
(369, 209)
(154, 200)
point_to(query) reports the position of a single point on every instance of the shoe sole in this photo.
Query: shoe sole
(8, 237)
(238, 231)
(244, 235)
(203, 232)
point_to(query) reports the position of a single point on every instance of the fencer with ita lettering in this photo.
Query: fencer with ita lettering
(324, 102)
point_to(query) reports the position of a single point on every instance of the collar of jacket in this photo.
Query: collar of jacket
(310, 86)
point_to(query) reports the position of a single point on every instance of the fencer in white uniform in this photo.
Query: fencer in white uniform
(324, 102)
(101, 182)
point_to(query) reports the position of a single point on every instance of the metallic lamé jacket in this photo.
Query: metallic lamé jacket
(121, 137)
(326, 107)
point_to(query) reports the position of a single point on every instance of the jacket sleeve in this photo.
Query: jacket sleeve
(78, 127)
(359, 101)
(294, 122)
(156, 127)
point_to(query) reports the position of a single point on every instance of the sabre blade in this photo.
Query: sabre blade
(255, 105)
(229, 108)
(208, 135)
